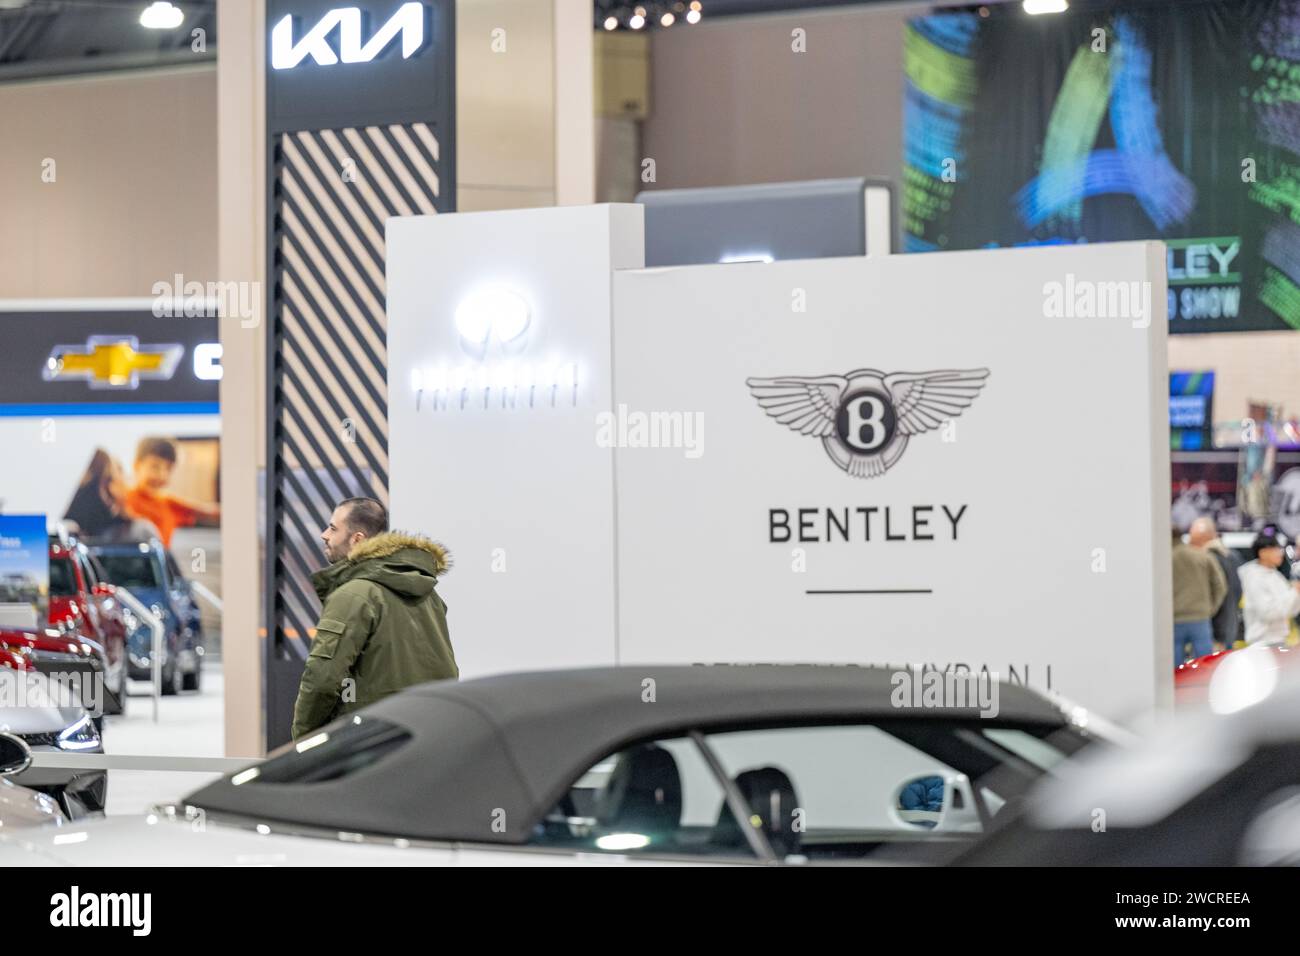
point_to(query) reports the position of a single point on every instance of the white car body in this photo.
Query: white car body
(160, 840)
(20, 807)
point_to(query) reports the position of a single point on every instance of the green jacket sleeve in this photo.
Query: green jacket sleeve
(347, 620)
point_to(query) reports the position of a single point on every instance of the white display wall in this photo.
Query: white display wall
(575, 544)
(498, 460)
(1021, 527)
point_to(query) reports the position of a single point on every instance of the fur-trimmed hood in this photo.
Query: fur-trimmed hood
(406, 564)
(390, 542)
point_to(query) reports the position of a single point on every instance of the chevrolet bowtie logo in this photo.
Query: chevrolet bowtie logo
(112, 361)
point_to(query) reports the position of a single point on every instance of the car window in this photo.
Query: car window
(138, 570)
(657, 797)
(330, 755)
(63, 582)
(1044, 752)
(847, 788)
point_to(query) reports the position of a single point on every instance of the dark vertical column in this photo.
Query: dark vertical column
(349, 145)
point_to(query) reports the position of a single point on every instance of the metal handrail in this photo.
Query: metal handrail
(155, 624)
(207, 595)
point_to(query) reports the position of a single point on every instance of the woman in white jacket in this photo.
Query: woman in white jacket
(1269, 600)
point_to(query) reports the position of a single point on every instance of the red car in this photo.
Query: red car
(1192, 679)
(83, 601)
(14, 659)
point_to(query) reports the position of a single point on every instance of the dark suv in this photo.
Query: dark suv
(150, 573)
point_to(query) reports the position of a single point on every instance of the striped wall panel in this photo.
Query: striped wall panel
(333, 189)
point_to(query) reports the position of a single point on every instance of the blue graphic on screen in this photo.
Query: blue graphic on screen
(1073, 170)
(1191, 421)
(24, 569)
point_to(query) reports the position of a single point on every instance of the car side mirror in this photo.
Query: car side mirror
(15, 755)
(919, 801)
(937, 802)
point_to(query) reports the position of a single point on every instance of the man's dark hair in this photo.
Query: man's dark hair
(365, 515)
(1265, 539)
(163, 448)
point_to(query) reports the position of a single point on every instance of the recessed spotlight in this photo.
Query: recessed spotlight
(667, 20)
(637, 21)
(693, 16)
(161, 16)
(611, 23)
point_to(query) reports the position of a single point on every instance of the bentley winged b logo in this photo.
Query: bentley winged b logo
(865, 418)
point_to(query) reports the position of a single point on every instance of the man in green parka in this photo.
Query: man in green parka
(383, 626)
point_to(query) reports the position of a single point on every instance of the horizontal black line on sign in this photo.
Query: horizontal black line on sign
(874, 591)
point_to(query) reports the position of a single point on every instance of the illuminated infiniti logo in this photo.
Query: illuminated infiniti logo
(865, 418)
(492, 314)
(494, 322)
(408, 21)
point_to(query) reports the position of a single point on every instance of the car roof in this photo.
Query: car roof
(513, 743)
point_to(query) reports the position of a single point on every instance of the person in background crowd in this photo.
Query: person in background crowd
(1199, 589)
(155, 459)
(383, 626)
(1226, 623)
(1270, 601)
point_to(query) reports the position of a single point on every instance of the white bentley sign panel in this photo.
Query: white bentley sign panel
(1025, 530)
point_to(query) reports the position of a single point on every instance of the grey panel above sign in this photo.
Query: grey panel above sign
(798, 220)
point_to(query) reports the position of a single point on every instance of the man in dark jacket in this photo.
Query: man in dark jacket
(1204, 535)
(383, 626)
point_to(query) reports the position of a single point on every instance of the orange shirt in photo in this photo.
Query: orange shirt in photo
(166, 513)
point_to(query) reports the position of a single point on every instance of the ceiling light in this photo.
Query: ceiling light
(637, 22)
(611, 23)
(161, 16)
(667, 20)
(1046, 6)
(693, 16)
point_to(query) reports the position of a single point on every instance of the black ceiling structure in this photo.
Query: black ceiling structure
(623, 10)
(40, 38)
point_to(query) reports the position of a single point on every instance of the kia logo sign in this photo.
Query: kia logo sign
(408, 22)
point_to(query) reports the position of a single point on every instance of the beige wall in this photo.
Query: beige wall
(1248, 366)
(731, 103)
(505, 105)
(134, 198)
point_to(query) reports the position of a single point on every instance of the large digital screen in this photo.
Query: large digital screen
(1178, 122)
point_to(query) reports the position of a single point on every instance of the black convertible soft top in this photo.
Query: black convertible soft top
(490, 757)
